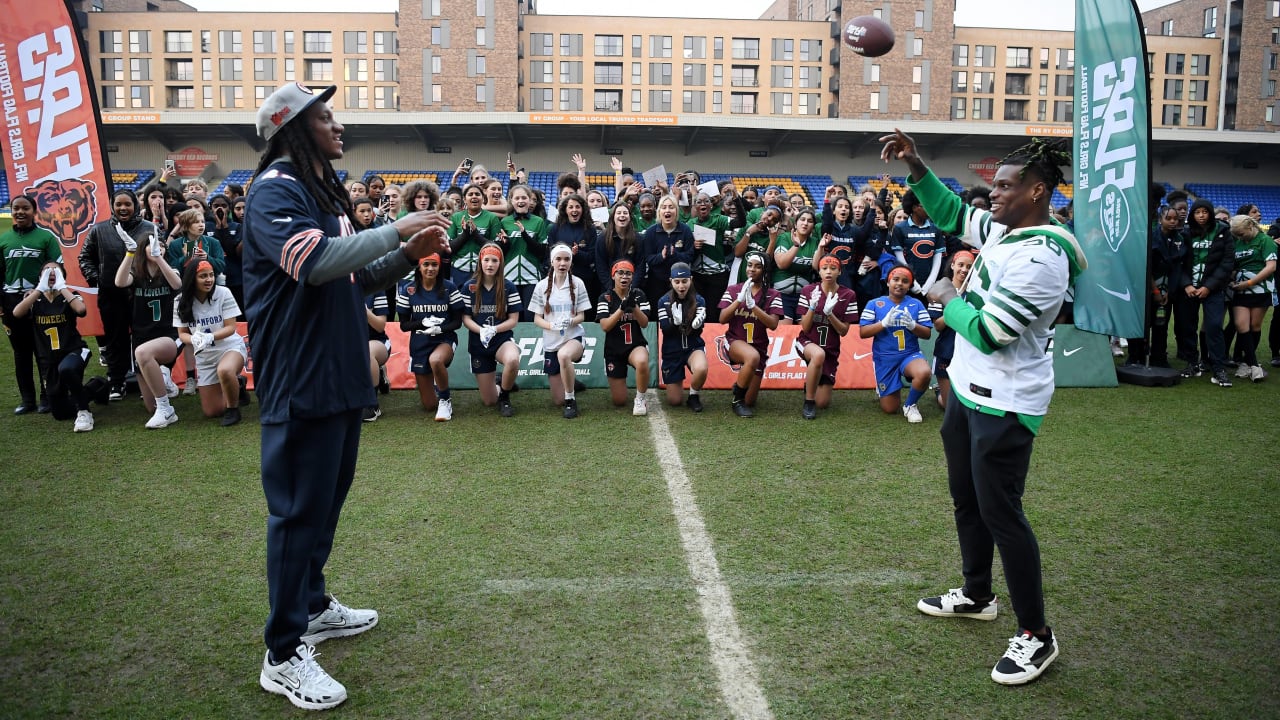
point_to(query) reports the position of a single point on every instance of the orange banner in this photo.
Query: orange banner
(52, 148)
(785, 369)
(600, 119)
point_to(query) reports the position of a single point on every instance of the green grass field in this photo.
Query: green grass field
(533, 568)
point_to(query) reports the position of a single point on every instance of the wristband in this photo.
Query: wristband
(128, 253)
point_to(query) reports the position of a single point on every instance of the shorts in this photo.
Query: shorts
(674, 363)
(484, 360)
(421, 364)
(829, 364)
(207, 362)
(616, 365)
(889, 371)
(551, 363)
(940, 366)
(1251, 300)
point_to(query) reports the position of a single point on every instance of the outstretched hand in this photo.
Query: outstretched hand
(432, 239)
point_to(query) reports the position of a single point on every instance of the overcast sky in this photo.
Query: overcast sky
(1026, 14)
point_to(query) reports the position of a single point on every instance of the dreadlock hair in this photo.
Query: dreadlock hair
(294, 140)
(1044, 158)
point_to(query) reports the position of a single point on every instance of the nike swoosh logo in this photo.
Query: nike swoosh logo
(1072, 351)
(1123, 296)
(859, 356)
(1036, 261)
(287, 219)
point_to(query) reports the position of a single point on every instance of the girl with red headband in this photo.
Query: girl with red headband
(898, 322)
(623, 313)
(492, 310)
(205, 316)
(826, 311)
(430, 309)
(153, 284)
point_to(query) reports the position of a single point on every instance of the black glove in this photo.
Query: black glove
(629, 302)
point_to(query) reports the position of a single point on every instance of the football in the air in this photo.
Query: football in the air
(868, 36)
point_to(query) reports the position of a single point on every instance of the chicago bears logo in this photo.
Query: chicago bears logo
(66, 207)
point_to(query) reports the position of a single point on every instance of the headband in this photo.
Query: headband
(202, 266)
(433, 257)
(963, 253)
(753, 255)
(561, 248)
(491, 249)
(831, 260)
(902, 269)
(773, 187)
(622, 265)
(681, 270)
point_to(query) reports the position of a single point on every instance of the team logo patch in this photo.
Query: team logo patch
(66, 207)
(410, 289)
(609, 366)
(879, 303)
(722, 352)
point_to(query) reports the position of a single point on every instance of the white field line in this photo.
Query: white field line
(739, 678)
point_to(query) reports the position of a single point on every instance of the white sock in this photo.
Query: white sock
(693, 391)
(568, 395)
(162, 403)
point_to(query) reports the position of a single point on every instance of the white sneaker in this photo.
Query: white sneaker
(169, 388)
(913, 413)
(1243, 371)
(162, 419)
(338, 620)
(190, 388)
(641, 406)
(444, 411)
(1257, 374)
(84, 421)
(302, 680)
(1116, 349)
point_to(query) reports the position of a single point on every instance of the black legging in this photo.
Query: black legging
(22, 336)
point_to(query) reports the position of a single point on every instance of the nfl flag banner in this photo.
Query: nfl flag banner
(52, 148)
(1112, 171)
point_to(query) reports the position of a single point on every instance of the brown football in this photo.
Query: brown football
(869, 36)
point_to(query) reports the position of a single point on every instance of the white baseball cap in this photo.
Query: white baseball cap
(286, 103)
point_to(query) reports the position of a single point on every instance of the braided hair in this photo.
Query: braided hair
(1044, 158)
(294, 141)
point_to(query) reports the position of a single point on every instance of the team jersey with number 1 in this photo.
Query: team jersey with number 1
(899, 340)
(821, 333)
(743, 325)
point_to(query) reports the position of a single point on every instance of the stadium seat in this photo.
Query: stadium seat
(1231, 197)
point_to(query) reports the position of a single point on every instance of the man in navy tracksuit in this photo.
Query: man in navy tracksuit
(306, 273)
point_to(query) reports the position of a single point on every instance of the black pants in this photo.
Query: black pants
(65, 382)
(710, 287)
(987, 460)
(117, 349)
(22, 336)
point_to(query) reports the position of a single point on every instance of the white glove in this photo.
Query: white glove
(905, 319)
(433, 330)
(699, 317)
(745, 292)
(830, 305)
(432, 321)
(677, 314)
(59, 282)
(157, 247)
(562, 324)
(486, 335)
(751, 298)
(891, 318)
(200, 341)
(129, 243)
(46, 280)
(915, 288)
(815, 297)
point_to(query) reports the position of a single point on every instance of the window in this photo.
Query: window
(916, 74)
(874, 103)
(437, 65)
(1275, 35)
(1064, 85)
(917, 47)
(635, 101)
(230, 69)
(542, 71)
(695, 74)
(1270, 114)
(1166, 27)
(480, 8)
(264, 68)
(140, 68)
(1274, 8)
(609, 46)
(540, 99)
(660, 47)
(289, 72)
(960, 55)
(1196, 116)
(175, 41)
(915, 102)
(232, 96)
(112, 97)
(570, 98)
(1173, 63)
(140, 96)
(1063, 111)
(384, 70)
(436, 93)
(480, 37)
(1015, 110)
(1199, 64)
(636, 76)
(959, 81)
(112, 69)
(810, 104)
(1042, 111)
(317, 70)
(875, 73)
(1172, 89)
(717, 102)
(742, 103)
(919, 20)
(180, 97)
(229, 41)
(206, 69)
(659, 73)
(984, 55)
(984, 82)
(1210, 25)
(811, 77)
(571, 46)
(208, 96)
(437, 36)
(1066, 58)
(982, 108)
(1269, 88)
(637, 46)
(264, 41)
(783, 48)
(206, 46)
(571, 71)
(695, 48)
(1016, 84)
(110, 41)
(384, 43)
(608, 100)
(180, 70)
(958, 109)
(746, 49)
(317, 42)
(288, 42)
(1044, 58)
(743, 76)
(810, 51)
(355, 42)
(718, 47)
(717, 75)
(357, 70)
(1172, 115)
(480, 93)
(1044, 85)
(694, 101)
(540, 44)
(431, 8)
(781, 103)
(1198, 90)
(782, 76)
(388, 98)
(660, 101)
(608, 73)
(139, 41)
(1017, 57)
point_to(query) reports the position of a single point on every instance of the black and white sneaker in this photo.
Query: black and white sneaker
(809, 410)
(695, 403)
(302, 680)
(117, 392)
(371, 413)
(956, 604)
(1025, 659)
(1193, 370)
(570, 409)
(504, 408)
(338, 620)
(741, 410)
(1221, 379)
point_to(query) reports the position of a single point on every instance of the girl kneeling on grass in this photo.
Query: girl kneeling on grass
(623, 313)
(750, 309)
(898, 322)
(559, 306)
(430, 309)
(826, 310)
(205, 316)
(492, 310)
(681, 314)
(153, 284)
